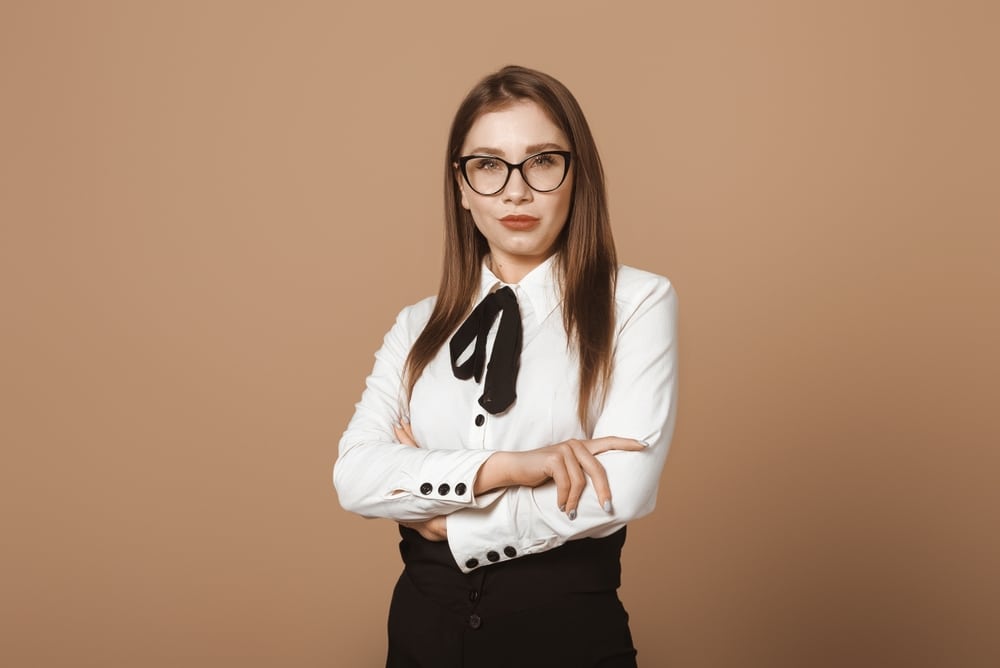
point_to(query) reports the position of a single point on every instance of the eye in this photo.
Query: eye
(544, 160)
(487, 164)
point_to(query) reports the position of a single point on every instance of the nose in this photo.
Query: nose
(516, 190)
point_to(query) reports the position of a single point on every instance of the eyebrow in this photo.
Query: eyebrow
(530, 150)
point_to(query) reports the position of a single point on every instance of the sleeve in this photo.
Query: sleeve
(375, 475)
(640, 404)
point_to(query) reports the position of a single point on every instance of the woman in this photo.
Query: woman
(514, 424)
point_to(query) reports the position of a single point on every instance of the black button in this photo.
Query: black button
(493, 556)
(473, 595)
(480, 420)
(509, 551)
(444, 488)
(472, 563)
(426, 488)
(475, 621)
(460, 488)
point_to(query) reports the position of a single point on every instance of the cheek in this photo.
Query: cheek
(566, 193)
(563, 207)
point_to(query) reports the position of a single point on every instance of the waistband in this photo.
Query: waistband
(587, 565)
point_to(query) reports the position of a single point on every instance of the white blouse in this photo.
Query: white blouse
(376, 476)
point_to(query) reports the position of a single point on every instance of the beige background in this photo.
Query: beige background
(199, 256)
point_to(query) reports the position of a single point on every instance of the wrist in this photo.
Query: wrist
(494, 473)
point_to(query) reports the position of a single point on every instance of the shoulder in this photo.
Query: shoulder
(413, 318)
(642, 296)
(636, 285)
(409, 323)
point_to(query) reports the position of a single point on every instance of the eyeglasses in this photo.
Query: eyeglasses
(488, 175)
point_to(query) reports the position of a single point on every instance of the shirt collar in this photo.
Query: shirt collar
(540, 286)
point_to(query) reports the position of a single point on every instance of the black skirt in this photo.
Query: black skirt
(555, 609)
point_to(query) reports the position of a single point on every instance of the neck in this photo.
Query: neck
(512, 269)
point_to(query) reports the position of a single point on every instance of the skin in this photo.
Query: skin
(514, 133)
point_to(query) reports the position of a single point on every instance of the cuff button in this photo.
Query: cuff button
(510, 552)
(426, 488)
(492, 555)
(471, 563)
(444, 489)
(460, 488)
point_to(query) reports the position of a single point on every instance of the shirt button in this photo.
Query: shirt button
(444, 489)
(475, 621)
(493, 556)
(471, 563)
(480, 420)
(509, 551)
(426, 488)
(473, 595)
(460, 488)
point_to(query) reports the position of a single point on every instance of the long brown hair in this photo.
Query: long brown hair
(586, 265)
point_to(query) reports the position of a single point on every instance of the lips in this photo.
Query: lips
(519, 221)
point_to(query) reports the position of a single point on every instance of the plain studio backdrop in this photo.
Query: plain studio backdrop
(212, 211)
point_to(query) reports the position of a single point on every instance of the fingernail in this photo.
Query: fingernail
(572, 514)
(562, 508)
(644, 444)
(405, 420)
(607, 506)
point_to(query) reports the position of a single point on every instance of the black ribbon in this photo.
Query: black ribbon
(501, 374)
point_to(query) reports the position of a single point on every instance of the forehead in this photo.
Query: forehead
(513, 129)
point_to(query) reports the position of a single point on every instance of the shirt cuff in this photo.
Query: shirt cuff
(446, 475)
(482, 536)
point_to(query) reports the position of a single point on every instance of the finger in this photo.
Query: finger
(556, 469)
(403, 436)
(598, 478)
(605, 443)
(577, 481)
(408, 428)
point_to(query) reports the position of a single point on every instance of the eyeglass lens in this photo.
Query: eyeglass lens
(542, 172)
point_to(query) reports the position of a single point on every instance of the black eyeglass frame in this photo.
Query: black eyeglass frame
(464, 160)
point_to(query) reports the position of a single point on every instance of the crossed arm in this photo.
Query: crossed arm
(568, 464)
(523, 501)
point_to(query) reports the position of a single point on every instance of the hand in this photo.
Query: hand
(404, 433)
(568, 464)
(434, 529)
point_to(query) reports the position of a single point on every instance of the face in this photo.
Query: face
(521, 225)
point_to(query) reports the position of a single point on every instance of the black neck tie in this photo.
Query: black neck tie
(501, 375)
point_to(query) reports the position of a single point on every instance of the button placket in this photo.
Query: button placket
(477, 584)
(479, 424)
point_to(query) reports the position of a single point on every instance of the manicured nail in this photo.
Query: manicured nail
(607, 506)
(572, 514)
(562, 508)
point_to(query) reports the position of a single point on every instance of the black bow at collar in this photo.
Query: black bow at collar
(501, 374)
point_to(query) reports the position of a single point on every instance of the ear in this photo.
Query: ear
(461, 186)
